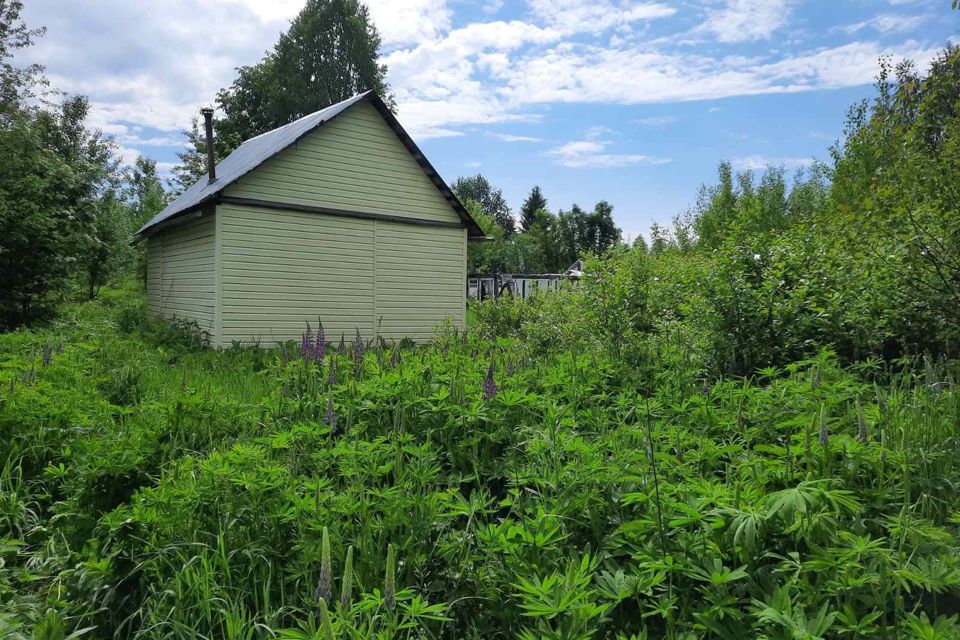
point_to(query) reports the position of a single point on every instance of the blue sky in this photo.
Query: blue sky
(632, 102)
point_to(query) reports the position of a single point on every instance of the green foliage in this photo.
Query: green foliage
(532, 206)
(65, 221)
(156, 489)
(489, 199)
(549, 243)
(56, 207)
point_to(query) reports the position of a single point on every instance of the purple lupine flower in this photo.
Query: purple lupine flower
(509, 366)
(47, 353)
(380, 359)
(306, 344)
(342, 347)
(325, 582)
(330, 417)
(332, 376)
(358, 347)
(824, 433)
(489, 384)
(320, 346)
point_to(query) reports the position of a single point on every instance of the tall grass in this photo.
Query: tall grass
(478, 487)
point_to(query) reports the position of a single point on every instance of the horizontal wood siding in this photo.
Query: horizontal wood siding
(354, 162)
(421, 279)
(180, 272)
(154, 266)
(281, 269)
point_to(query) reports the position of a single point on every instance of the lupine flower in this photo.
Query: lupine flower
(358, 347)
(47, 353)
(342, 347)
(332, 376)
(380, 359)
(283, 355)
(320, 346)
(306, 344)
(390, 580)
(323, 592)
(489, 384)
(346, 589)
(330, 417)
(509, 366)
(824, 434)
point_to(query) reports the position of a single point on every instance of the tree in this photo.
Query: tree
(491, 200)
(143, 197)
(329, 53)
(602, 233)
(895, 189)
(143, 191)
(528, 211)
(53, 175)
(16, 84)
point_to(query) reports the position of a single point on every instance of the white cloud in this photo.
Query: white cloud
(758, 162)
(147, 65)
(473, 165)
(410, 21)
(655, 121)
(595, 16)
(885, 23)
(152, 65)
(584, 73)
(596, 131)
(492, 6)
(745, 20)
(508, 137)
(592, 153)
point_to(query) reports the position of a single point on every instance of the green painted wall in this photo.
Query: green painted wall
(281, 269)
(180, 272)
(353, 162)
(270, 271)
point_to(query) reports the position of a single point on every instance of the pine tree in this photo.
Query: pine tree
(534, 203)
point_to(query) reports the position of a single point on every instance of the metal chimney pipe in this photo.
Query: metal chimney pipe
(208, 125)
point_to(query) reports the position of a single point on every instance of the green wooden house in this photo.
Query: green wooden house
(337, 215)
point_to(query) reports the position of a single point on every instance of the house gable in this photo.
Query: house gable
(353, 163)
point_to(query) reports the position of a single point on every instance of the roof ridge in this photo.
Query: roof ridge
(355, 97)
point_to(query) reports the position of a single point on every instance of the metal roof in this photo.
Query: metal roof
(255, 151)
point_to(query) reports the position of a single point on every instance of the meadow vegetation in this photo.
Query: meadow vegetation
(745, 428)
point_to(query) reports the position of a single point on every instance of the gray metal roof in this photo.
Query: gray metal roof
(255, 151)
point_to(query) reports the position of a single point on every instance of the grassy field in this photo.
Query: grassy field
(476, 488)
